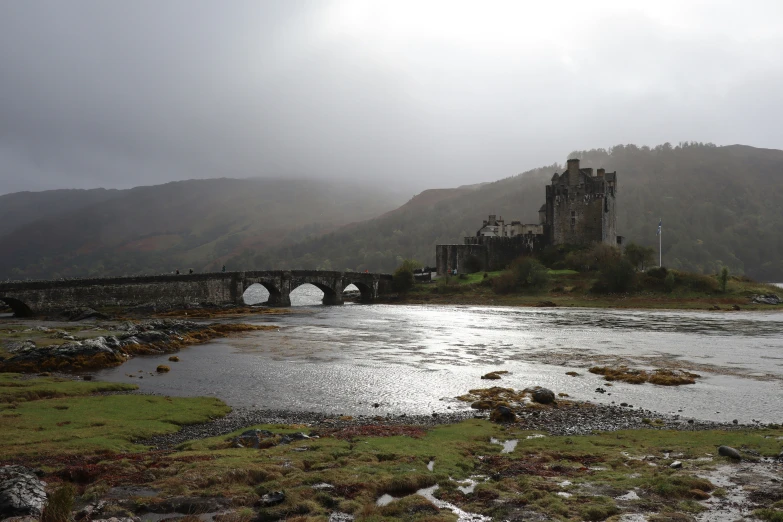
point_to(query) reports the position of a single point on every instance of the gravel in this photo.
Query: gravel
(583, 420)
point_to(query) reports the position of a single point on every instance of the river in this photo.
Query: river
(415, 359)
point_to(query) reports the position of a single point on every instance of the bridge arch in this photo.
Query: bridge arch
(331, 296)
(364, 289)
(19, 308)
(275, 295)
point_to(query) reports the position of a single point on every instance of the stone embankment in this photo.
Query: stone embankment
(132, 338)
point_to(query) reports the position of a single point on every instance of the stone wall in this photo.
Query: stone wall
(495, 253)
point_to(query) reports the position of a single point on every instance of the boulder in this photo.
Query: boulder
(502, 414)
(543, 395)
(270, 499)
(22, 493)
(728, 451)
(288, 439)
(770, 299)
(251, 438)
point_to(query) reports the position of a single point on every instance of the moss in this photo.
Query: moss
(769, 515)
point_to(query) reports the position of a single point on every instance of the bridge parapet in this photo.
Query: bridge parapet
(220, 288)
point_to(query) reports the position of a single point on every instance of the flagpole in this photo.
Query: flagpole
(660, 250)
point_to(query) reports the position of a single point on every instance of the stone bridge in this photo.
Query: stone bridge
(28, 298)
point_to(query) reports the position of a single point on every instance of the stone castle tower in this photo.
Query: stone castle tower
(580, 209)
(580, 206)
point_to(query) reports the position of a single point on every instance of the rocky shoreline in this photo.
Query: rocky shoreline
(64, 352)
(571, 419)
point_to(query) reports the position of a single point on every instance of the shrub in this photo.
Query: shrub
(403, 277)
(669, 282)
(505, 283)
(617, 275)
(697, 282)
(658, 272)
(59, 504)
(529, 273)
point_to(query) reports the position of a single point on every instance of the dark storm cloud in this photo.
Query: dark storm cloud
(419, 94)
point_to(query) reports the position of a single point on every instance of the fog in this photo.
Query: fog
(407, 94)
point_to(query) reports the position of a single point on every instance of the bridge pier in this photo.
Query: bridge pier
(333, 299)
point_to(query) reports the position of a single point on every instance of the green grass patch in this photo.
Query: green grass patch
(15, 388)
(86, 424)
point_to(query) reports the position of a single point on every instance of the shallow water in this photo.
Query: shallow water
(416, 359)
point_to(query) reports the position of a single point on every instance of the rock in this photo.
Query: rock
(728, 451)
(543, 395)
(770, 299)
(492, 375)
(22, 493)
(600, 390)
(188, 505)
(676, 464)
(288, 439)
(82, 313)
(251, 438)
(546, 304)
(376, 405)
(502, 414)
(340, 517)
(735, 308)
(270, 499)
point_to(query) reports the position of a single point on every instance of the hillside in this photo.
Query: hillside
(719, 205)
(21, 208)
(196, 224)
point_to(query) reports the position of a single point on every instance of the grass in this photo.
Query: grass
(568, 288)
(361, 463)
(15, 388)
(47, 416)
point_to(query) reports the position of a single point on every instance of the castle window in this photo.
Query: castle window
(573, 219)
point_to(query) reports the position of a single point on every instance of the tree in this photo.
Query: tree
(639, 256)
(723, 278)
(403, 277)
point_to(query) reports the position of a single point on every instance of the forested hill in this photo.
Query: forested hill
(719, 205)
(198, 224)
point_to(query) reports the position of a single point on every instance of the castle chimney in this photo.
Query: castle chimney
(573, 172)
(601, 173)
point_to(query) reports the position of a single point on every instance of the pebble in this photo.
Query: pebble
(555, 421)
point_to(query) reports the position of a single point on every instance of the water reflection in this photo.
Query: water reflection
(415, 359)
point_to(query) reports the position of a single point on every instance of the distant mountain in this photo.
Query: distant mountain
(22, 208)
(198, 224)
(719, 205)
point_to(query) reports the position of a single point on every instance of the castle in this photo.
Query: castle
(580, 209)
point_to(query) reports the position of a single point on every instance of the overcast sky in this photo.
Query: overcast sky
(417, 94)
